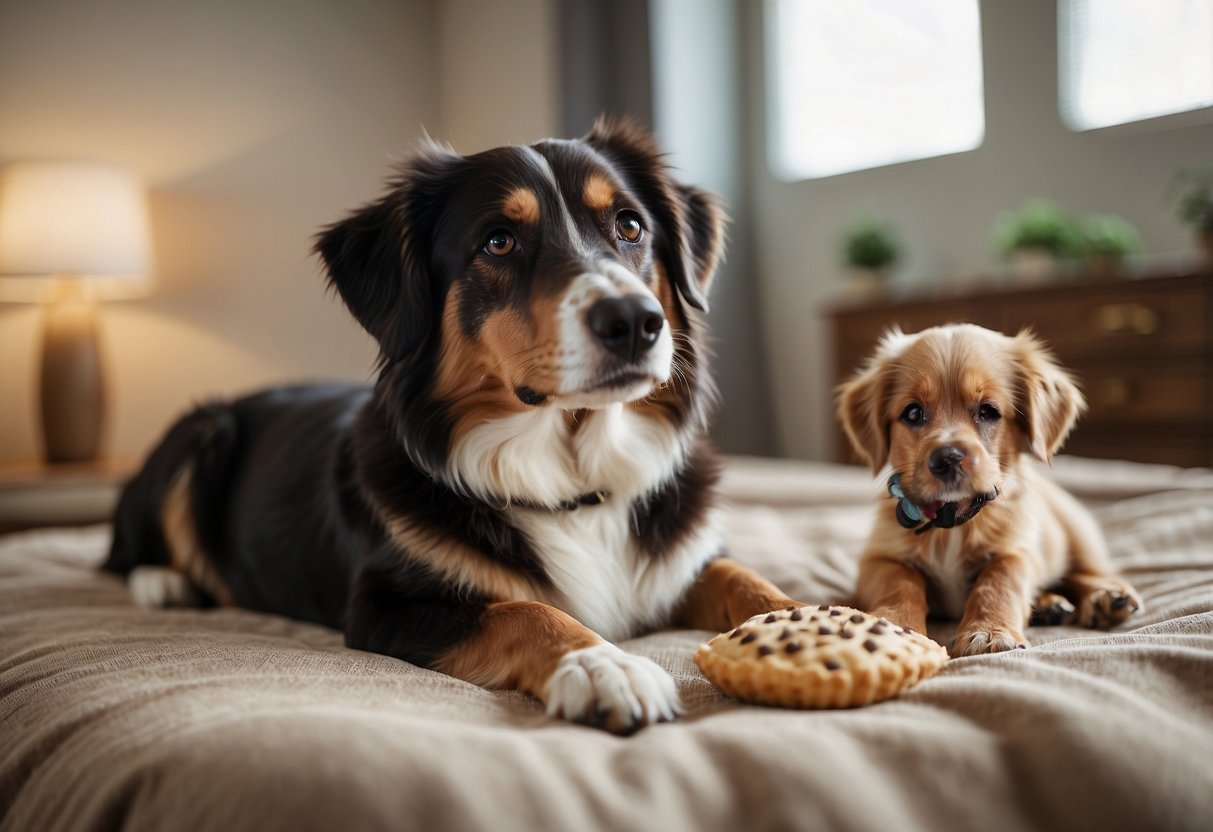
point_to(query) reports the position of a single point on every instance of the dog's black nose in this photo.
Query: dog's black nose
(944, 462)
(627, 326)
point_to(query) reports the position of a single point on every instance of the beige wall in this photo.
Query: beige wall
(254, 124)
(498, 72)
(946, 207)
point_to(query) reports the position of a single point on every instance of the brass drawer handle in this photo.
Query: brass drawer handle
(1126, 318)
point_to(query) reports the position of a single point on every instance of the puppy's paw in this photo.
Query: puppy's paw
(1051, 610)
(606, 687)
(1108, 603)
(980, 640)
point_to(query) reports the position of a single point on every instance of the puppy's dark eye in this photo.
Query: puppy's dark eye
(628, 226)
(988, 413)
(914, 415)
(500, 243)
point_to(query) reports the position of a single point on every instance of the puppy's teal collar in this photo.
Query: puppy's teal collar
(936, 515)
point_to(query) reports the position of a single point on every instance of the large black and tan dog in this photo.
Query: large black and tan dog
(526, 481)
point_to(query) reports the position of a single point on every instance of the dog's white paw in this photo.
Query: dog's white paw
(155, 587)
(604, 686)
(994, 640)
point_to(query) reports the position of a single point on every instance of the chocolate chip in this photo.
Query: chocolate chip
(735, 634)
(748, 637)
(793, 647)
(871, 646)
(845, 633)
(835, 612)
(825, 631)
(824, 607)
(856, 618)
(788, 609)
(832, 665)
(764, 650)
(770, 619)
(786, 634)
(876, 629)
(796, 615)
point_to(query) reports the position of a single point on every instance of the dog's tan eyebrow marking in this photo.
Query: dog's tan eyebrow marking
(598, 193)
(521, 205)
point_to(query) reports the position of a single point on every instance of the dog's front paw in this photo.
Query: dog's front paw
(980, 640)
(1107, 603)
(1051, 610)
(606, 687)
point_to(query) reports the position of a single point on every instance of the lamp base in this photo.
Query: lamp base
(72, 388)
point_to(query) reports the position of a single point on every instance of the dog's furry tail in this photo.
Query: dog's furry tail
(202, 445)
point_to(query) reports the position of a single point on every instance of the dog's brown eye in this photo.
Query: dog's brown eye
(500, 243)
(914, 415)
(628, 226)
(988, 413)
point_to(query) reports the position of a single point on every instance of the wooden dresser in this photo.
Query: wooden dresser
(1142, 349)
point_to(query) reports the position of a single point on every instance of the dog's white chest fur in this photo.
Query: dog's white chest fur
(599, 572)
(945, 560)
(601, 575)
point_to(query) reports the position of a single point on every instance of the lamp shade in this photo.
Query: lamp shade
(78, 218)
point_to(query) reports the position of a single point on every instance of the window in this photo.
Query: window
(865, 83)
(1128, 60)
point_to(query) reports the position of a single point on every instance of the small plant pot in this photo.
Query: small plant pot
(1033, 266)
(866, 283)
(1204, 244)
(1105, 266)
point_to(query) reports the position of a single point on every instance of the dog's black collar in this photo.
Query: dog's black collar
(593, 498)
(912, 516)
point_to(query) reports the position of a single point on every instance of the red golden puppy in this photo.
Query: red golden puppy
(974, 531)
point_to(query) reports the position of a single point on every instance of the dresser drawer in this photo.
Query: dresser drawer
(1185, 444)
(1117, 392)
(1119, 319)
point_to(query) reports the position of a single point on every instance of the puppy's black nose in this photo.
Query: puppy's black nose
(627, 326)
(946, 462)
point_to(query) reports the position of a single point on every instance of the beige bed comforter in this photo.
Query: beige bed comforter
(114, 717)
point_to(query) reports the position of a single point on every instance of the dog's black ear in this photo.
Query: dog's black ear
(378, 258)
(691, 223)
(1049, 402)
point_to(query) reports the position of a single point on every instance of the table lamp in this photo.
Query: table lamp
(71, 233)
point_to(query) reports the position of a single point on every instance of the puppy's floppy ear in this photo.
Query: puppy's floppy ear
(1049, 402)
(862, 400)
(690, 237)
(378, 259)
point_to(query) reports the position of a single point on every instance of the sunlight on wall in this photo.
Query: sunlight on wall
(871, 82)
(1128, 60)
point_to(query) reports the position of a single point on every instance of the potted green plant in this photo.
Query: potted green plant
(1193, 192)
(1036, 238)
(1107, 241)
(870, 248)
